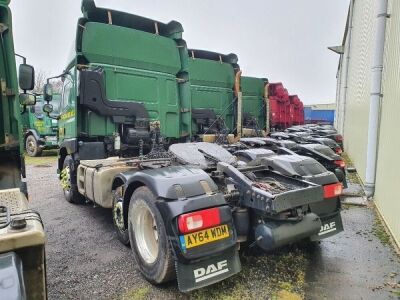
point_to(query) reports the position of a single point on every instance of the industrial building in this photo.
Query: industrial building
(368, 101)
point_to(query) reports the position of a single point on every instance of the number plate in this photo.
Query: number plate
(204, 236)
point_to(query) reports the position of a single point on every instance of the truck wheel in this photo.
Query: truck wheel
(32, 147)
(70, 189)
(118, 220)
(148, 238)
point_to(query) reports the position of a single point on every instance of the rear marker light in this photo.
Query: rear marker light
(333, 190)
(340, 163)
(199, 220)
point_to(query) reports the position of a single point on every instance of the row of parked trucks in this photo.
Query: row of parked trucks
(174, 141)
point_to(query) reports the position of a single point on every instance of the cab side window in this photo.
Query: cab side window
(67, 97)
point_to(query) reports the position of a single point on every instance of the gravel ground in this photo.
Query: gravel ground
(86, 261)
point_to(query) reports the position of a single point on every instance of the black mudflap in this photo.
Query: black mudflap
(209, 271)
(331, 225)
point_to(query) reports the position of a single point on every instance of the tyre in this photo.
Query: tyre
(70, 188)
(118, 220)
(148, 238)
(32, 147)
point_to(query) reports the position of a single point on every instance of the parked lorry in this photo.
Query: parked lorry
(22, 239)
(212, 80)
(183, 211)
(255, 106)
(40, 131)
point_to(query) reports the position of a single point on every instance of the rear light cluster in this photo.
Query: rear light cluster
(338, 138)
(340, 163)
(199, 220)
(333, 190)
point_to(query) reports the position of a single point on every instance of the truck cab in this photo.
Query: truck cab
(40, 130)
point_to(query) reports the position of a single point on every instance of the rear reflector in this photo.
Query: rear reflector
(199, 220)
(333, 190)
(340, 163)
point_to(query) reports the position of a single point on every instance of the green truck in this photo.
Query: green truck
(130, 91)
(22, 239)
(40, 130)
(254, 105)
(212, 80)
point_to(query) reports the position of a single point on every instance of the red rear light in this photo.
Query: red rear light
(340, 163)
(338, 138)
(199, 220)
(339, 150)
(333, 190)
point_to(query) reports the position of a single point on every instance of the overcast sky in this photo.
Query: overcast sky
(282, 40)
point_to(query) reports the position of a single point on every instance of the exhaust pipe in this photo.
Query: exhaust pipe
(273, 235)
(238, 94)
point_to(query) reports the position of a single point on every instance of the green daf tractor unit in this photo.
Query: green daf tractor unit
(22, 239)
(212, 81)
(126, 96)
(40, 131)
(254, 105)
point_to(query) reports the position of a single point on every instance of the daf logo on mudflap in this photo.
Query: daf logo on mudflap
(210, 271)
(327, 228)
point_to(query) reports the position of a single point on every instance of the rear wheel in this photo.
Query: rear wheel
(148, 238)
(70, 188)
(32, 147)
(118, 219)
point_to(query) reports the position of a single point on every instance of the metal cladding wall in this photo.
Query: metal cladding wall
(356, 109)
(387, 176)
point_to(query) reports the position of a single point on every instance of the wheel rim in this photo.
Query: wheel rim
(65, 180)
(118, 216)
(146, 234)
(30, 146)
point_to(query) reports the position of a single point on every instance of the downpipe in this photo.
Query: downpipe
(375, 97)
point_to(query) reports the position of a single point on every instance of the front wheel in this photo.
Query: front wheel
(69, 187)
(32, 146)
(148, 238)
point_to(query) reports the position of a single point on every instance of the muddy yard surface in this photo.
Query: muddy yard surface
(86, 261)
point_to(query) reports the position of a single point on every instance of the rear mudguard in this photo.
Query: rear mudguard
(331, 224)
(181, 190)
(32, 132)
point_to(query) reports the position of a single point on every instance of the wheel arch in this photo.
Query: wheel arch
(31, 132)
(62, 154)
(130, 189)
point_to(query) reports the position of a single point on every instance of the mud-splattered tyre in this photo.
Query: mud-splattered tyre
(148, 238)
(32, 146)
(118, 221)
(69, 187)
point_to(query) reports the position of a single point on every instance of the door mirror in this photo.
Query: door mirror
(27, 99)
(26, 77)
(48, 108)
(48, 92)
